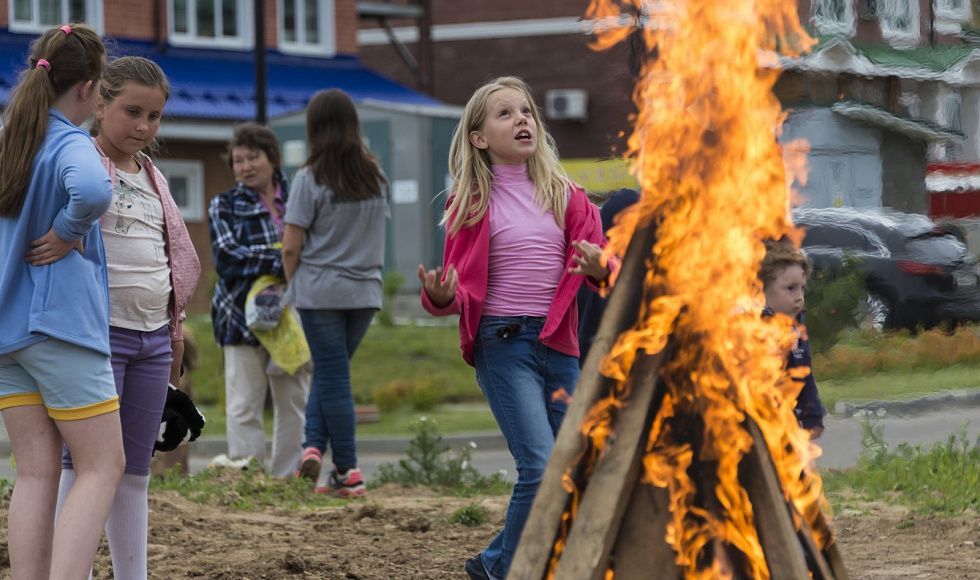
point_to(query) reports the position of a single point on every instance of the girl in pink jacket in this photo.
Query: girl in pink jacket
(519, 239)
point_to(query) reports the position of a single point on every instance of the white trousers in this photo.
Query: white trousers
(246, 384)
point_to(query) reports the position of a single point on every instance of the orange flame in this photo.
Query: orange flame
(706, 154)
(561, 395)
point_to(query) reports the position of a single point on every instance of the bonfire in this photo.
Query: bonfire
(692, 388)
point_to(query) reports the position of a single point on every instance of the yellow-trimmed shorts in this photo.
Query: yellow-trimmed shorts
(71, 382)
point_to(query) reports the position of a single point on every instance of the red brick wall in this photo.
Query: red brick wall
(546, 62)
(132, 18)
(217, 178)
(458, 11)
(345, 16)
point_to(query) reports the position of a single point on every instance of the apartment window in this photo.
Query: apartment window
(186, 180)
(953, 9)
(223, 23)
(899, 20)
(307, 26)
(833, 16)
(39, 15)
(950, 105)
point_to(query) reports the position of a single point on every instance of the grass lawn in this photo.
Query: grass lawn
(900, 384)
(399, 360)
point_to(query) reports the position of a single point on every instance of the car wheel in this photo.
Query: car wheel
(875, 312)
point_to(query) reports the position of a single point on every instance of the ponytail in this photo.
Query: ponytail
(61, 58)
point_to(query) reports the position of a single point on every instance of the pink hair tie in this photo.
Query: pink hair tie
(43, 63)
(66, 29)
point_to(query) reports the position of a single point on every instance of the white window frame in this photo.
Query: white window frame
(93, 16)
(244, 39)
(326, 21)
(896, 36)
(945, 11)
(949, 113)
(193, 170)
(827, 26)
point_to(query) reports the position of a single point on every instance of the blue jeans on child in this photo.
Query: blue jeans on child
(520, 377)
(333, 336)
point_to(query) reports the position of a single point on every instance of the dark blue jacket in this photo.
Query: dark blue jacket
(591, 306)
(809, 408)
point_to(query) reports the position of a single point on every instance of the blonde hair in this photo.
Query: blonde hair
(470, 167)
(779, 256)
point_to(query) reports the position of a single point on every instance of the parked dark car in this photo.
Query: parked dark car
(917, 274)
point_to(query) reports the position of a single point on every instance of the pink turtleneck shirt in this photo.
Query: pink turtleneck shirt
(527, 248)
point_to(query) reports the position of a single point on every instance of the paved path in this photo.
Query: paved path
(841, 441)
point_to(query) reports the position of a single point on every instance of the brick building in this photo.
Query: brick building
(890, 93)
(207, 49)
(473, 41)
(891, 90)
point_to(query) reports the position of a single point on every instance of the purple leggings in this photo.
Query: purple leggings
(141, 365)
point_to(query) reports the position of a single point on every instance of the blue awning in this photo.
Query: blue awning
(219, 84)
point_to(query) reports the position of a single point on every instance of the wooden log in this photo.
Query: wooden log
(616, 473)
(836, 563)
(784, 552)
(543, 524)
(818, 566)
(641, 551)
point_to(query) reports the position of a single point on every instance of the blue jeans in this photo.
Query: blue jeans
(519, 377)
(333, 336)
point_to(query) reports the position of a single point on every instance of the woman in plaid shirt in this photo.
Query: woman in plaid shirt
(246, 232)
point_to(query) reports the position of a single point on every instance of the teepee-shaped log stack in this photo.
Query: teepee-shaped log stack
(620, 521)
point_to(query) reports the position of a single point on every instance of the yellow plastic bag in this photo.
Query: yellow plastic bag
(286, 343)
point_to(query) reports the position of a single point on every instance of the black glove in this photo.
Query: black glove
(181, 421)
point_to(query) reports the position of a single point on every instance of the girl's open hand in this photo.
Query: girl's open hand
(49, 248)
(588, 261)
(440, 289)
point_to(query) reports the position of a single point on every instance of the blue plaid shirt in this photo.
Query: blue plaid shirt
(245, 244)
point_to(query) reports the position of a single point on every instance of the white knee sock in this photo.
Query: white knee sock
(126, 528)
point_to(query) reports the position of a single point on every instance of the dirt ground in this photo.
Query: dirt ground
(399, 533)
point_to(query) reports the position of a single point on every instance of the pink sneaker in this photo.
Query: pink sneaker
(345, 485)
(310, 464)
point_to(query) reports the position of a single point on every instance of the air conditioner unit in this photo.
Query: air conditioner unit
(566, 104)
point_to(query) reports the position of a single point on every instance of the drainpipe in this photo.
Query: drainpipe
(426, 51)
(158, 36)
(260, 80)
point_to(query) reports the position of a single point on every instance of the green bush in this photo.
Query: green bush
(470, 515)
(426, 394)
(944, 479)
(390, 285)
(431, 463)
(423, 394)
(832, 299)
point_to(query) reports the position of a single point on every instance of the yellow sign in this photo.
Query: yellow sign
(600, 175)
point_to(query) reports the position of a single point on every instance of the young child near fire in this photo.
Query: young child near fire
(520, 237)
(784, 273)
(153, 270)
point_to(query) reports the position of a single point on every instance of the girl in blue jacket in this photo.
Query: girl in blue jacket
(56, 382)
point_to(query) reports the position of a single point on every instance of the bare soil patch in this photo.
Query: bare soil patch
(406, 533)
